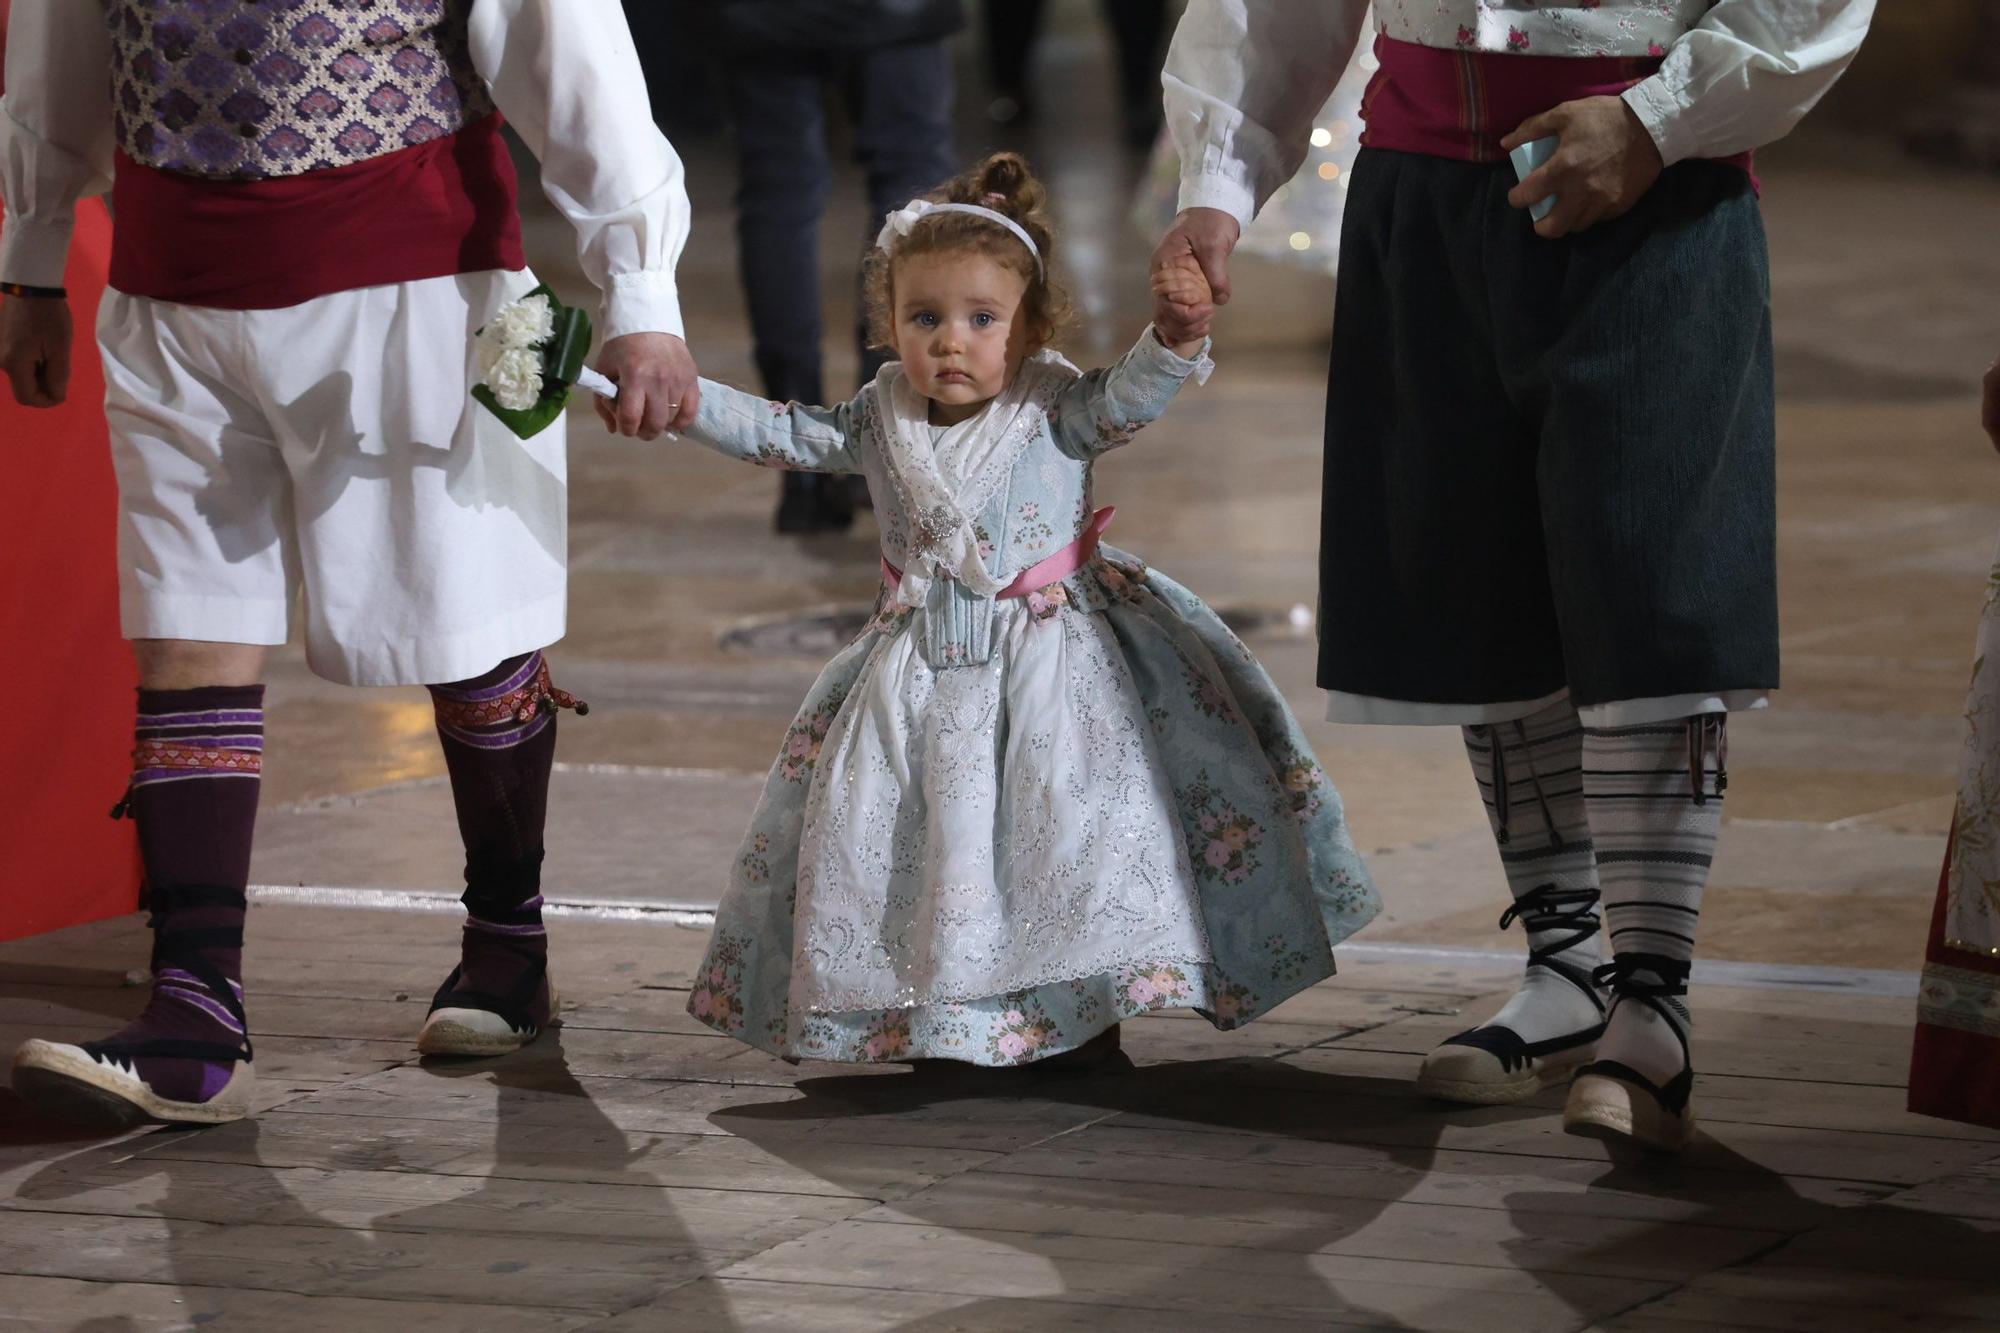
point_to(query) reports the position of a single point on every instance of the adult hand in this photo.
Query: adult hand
(1989, 411)
(657, 389)
(35, 337)
(1210, 235)
(1605, 163)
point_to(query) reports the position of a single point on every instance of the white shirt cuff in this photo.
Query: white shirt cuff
(1213, 190)
(646, 302)
(1664, 118)
(35, 254)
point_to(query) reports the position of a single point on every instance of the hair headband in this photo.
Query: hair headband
(903, 219)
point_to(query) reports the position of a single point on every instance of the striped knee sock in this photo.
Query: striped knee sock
(1530, 774)
(1655, 798)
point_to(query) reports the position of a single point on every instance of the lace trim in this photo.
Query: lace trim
(891, 910)
(847, 1000)
(912, 470)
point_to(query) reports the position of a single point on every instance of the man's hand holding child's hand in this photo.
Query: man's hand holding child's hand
(1179, 282)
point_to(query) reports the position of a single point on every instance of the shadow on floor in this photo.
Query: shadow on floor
(1396, 1135)
(214, 1212)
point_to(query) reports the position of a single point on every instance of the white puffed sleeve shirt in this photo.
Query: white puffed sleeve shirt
(1244, 77)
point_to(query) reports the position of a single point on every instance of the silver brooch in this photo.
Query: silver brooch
(934, 525)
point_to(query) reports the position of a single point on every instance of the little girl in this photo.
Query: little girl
(1046, 789)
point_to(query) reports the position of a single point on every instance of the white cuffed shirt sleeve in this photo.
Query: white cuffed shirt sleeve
(1243, 81)
(56, 143)
(1747, 73)
(566, 75)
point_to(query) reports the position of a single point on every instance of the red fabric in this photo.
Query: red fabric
(67, 753)
(1955, 1074)
(444, 207)
(1461, 104)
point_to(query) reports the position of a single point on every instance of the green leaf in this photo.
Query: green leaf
(531, 422)
(563, 355)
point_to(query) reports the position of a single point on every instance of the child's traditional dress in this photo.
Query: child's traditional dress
(1046, 788)
(1956, 1072)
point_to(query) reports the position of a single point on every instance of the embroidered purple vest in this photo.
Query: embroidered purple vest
(251, 89)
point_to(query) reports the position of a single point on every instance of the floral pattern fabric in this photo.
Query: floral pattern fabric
(1972, 885)
(1570, 28)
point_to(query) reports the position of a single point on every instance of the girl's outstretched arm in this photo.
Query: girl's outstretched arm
(1104, 409)
(788, 436)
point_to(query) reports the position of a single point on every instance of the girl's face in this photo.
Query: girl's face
(959, 329)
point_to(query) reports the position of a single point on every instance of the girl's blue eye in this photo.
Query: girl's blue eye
(983, 320)
(927, 319)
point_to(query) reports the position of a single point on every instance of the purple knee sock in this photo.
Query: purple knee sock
(499, 737)
(195, 780)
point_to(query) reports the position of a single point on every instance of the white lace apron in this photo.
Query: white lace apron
(988, 812)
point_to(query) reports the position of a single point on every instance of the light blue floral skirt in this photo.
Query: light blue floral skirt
(1277, 877)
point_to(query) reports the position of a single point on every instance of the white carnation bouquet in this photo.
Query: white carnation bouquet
(530, 355)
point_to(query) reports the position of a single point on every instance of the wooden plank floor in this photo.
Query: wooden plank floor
(635, 1172)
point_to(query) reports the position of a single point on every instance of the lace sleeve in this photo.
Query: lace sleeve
(1103, 409)
(788, 436)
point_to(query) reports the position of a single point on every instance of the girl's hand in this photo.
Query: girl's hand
(1179, 283)
(1208, 235)
(1989, 412)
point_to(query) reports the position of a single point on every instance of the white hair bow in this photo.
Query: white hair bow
(899, 224)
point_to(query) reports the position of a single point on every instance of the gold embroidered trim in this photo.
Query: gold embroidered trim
(1967, 946)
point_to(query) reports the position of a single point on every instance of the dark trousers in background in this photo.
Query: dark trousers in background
(898, 99)
(1138, 32)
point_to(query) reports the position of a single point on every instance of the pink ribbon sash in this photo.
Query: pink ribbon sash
(1052, 570)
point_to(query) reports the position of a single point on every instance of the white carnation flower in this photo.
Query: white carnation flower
(525, 323)
(516, 379)
(490, 348)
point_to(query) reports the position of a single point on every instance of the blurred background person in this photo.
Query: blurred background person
(1960, 125)
(888, 66)
(1138, 31)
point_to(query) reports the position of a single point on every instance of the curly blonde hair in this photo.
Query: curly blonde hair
(1005, 184)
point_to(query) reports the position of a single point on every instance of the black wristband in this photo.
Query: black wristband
(33, 293)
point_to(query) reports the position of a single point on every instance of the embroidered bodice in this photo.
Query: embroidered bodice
(962, 512)
(1541, 27)
(250, 89)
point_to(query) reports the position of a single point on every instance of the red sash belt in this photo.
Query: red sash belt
(1461, 104)
(431, 211)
